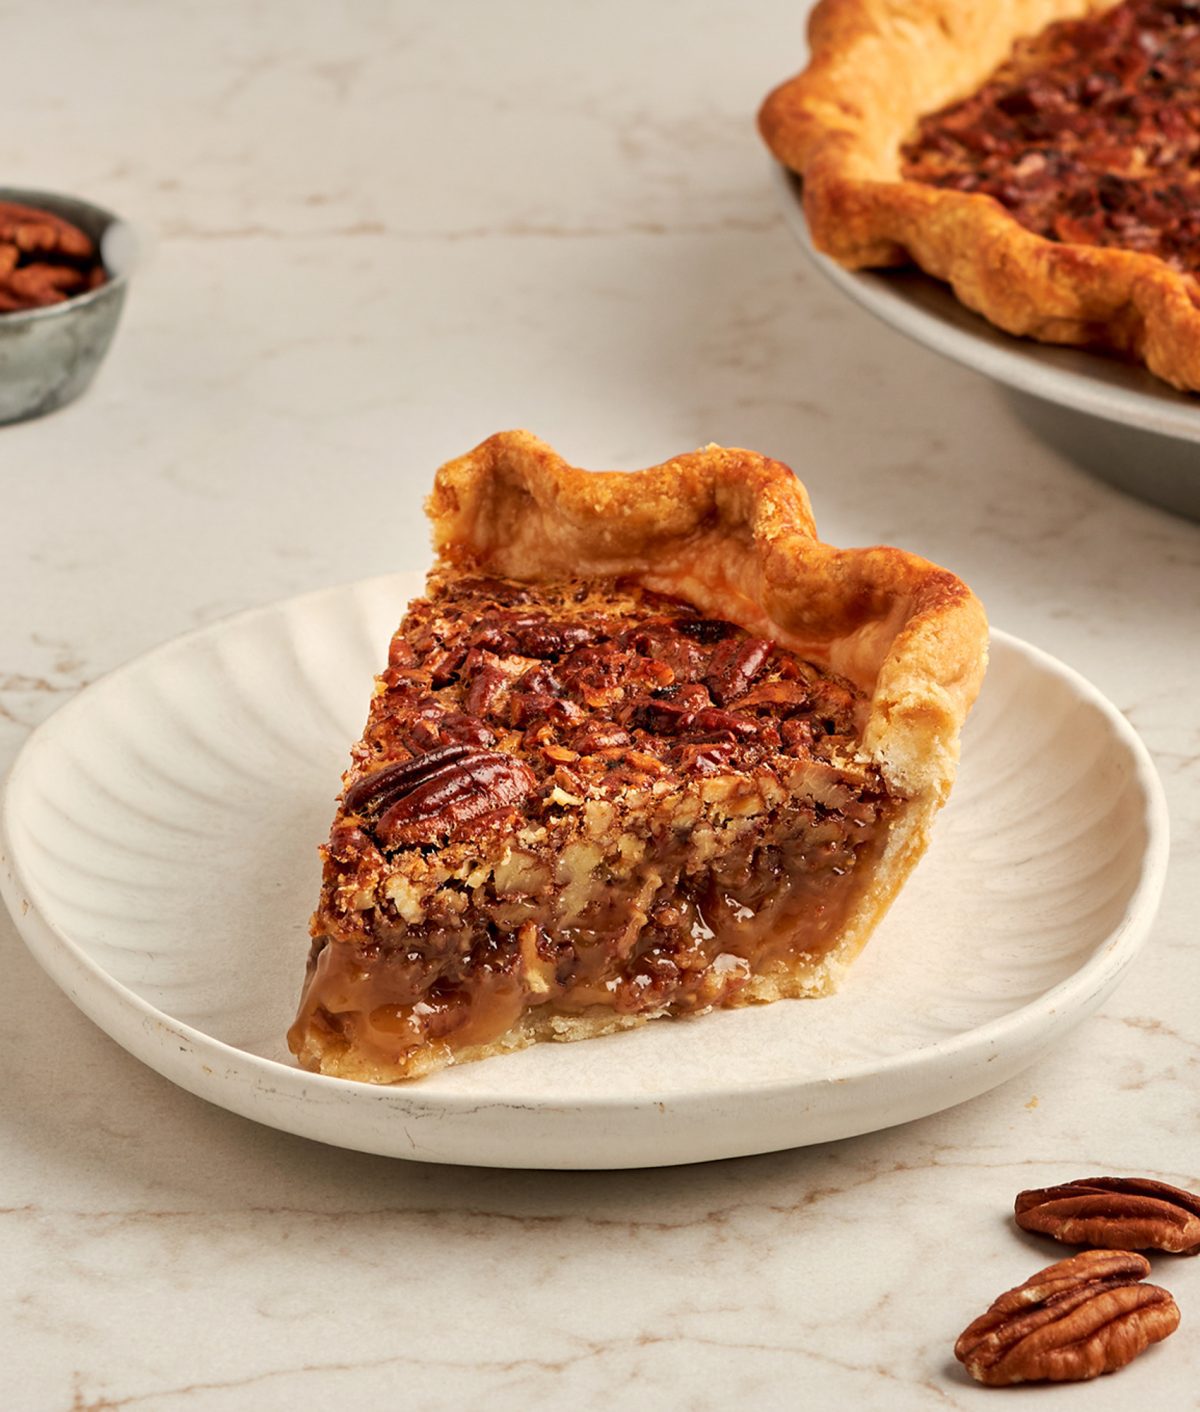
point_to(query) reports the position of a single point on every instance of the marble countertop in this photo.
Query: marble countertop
(376, 234)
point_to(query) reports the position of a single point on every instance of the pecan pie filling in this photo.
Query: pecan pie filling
(577, 796)
(1088, 134)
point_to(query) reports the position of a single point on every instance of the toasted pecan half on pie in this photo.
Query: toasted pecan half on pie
(1042, 156)
(646, 747)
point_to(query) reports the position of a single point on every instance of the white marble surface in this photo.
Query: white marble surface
(380, 233)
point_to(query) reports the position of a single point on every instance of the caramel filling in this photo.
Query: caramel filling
(582, 797)
(654, 947)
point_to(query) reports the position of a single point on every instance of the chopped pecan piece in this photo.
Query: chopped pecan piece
(599, 735)
(639, 760)
(658, 640)
(775, 694)
(797, 734)
(541, 679)
(538, 636)
(714, 721)
(529, 635)
(444, 666)
(705, 630)
(1118, 1213)
(487, 686)
(733, 667)
(529, 707)
(707, 758)
(661, 717)
(1071, 1321)
(422, 736)
(461, 727)
(401, 656)
(499, 590)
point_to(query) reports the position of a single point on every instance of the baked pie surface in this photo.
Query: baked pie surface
(646, 747)
(1039, 155)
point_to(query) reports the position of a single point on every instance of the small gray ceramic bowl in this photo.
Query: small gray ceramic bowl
(49, 355)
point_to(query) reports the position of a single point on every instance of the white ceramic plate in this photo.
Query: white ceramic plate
(159, 836)
(1114, 417)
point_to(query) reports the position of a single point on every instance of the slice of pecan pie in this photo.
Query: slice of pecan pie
(1043, 157)
(645, 747)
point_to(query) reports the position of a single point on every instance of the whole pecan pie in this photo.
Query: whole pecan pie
(1042, 156)
(646, 747)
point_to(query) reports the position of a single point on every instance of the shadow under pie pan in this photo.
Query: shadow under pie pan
(1111, 418)
(158, 855)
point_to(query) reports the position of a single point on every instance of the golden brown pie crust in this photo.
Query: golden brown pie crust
(876, 67)
(731, 532)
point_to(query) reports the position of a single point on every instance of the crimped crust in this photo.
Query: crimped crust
(876, 67)
(732, 532)
(894, 649)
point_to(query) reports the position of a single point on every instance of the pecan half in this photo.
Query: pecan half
(378, 790)
(1071, 1321)
(472, 784)
(1119, 1213)
(44, 259)
(41, 232)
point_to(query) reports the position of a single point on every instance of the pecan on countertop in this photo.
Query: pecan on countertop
(1118, 1213)
(1071, 1321)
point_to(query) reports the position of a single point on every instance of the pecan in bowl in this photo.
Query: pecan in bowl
(61, 294)
(44, 258)
(1071, 1321)
(1118, 1213)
